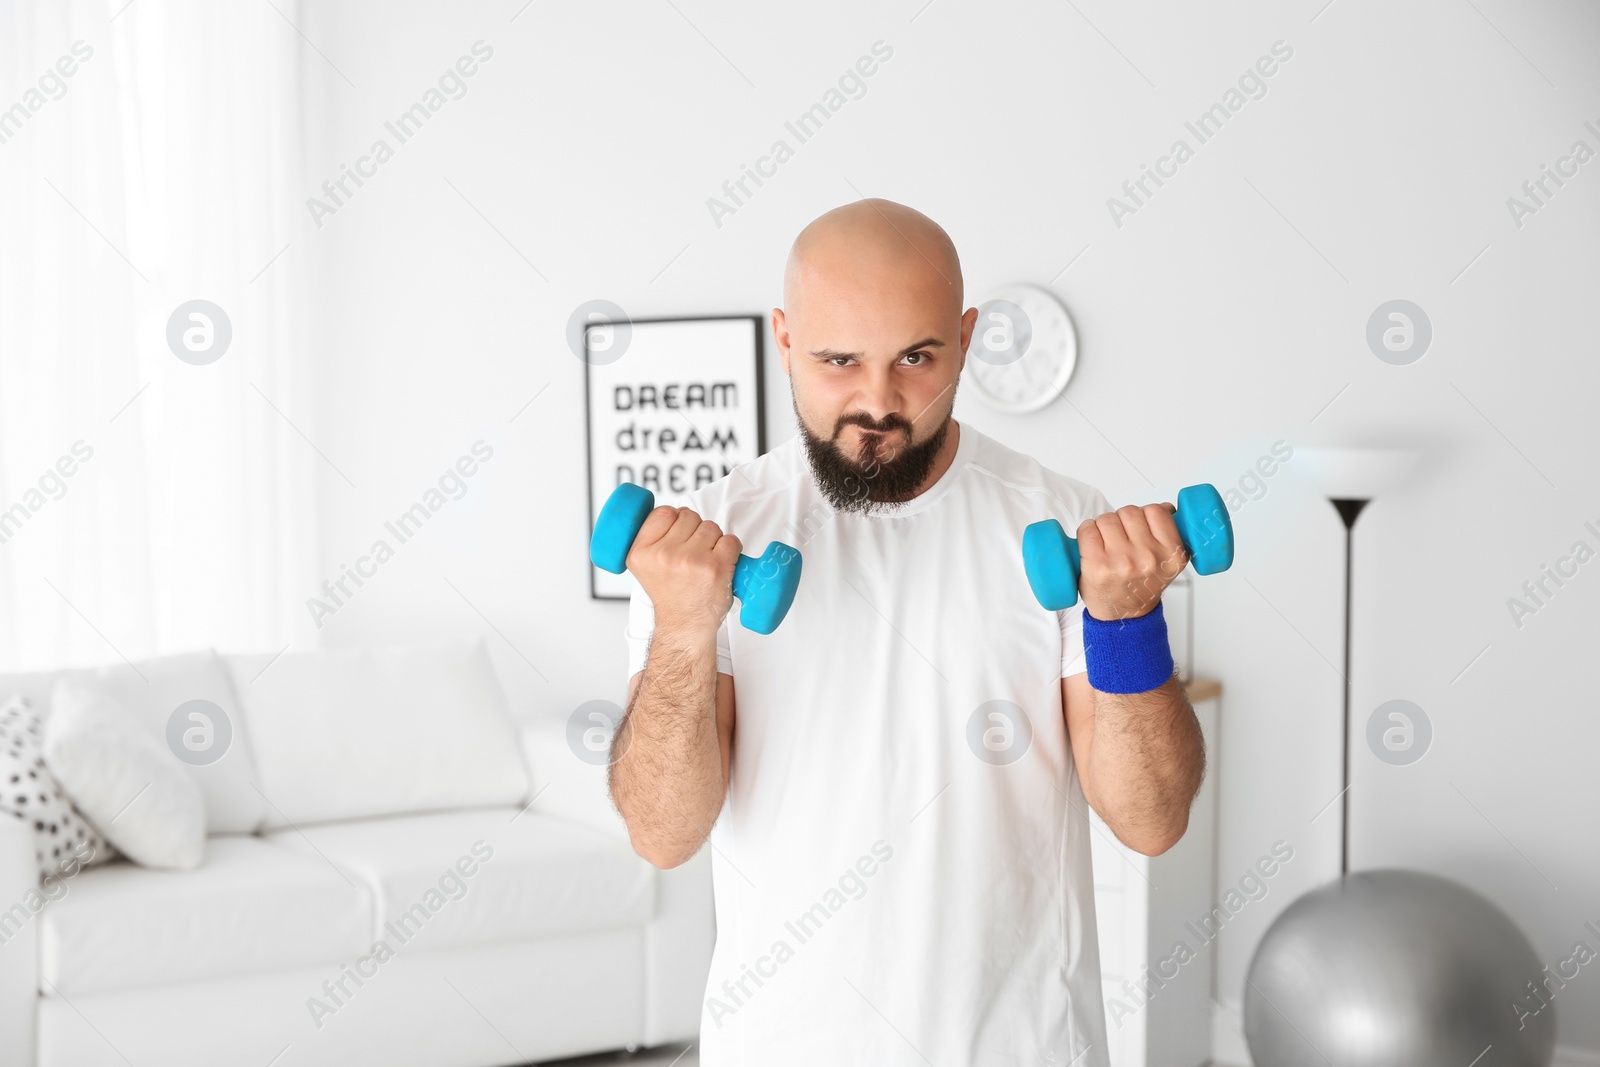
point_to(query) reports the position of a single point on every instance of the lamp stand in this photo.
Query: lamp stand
(1349, 509)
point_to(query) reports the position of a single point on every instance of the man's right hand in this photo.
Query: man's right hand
(685, 564)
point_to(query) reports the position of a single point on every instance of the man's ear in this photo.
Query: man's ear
(969, 323)
(780, 337)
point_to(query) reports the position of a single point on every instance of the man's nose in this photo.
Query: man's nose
(880, 399)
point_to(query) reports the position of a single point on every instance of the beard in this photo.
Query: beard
(887, 470)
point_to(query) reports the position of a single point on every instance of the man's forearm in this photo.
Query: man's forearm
(666, 773)
(1148, 757)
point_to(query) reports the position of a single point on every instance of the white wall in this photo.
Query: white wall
(1222, 317)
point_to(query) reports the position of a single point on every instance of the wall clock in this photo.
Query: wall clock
(1023, 349)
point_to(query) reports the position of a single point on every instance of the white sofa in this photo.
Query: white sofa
(354, 784)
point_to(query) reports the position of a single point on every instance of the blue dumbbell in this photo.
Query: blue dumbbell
(765, 586)
(1051, 559)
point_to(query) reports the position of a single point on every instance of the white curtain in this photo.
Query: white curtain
(150, 155)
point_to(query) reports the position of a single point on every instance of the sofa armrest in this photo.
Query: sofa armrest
(678, 946)
(565, 785)
(680, 937)
(20, 902)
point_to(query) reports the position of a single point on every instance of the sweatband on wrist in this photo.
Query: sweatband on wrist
(1127, 655)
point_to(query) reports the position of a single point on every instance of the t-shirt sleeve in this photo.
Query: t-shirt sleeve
(1072, 658)
(642, 623)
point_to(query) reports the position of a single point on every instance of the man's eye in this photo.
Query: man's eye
(922, 358)
(835, 360)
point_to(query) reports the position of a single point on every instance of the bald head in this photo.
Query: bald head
(873, 338)
(874, 243)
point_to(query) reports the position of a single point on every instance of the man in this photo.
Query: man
(896, 797)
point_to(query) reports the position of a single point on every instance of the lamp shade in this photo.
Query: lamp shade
(1356, 473)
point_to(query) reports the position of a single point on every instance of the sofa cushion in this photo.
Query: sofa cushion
(348, 734)
(35, 685)
(165, 695)
(128, 784)
(251, 906)
(461, 878)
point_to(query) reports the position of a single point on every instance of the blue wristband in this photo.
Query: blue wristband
(1127, 655)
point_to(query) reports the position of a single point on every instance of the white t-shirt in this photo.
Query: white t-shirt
(901, 864)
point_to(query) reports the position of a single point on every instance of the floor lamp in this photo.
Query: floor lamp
(1350, 478)
(1393, 967)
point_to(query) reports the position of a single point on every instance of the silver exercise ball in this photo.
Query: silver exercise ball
(1396, 968)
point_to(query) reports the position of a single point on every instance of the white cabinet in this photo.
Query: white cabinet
(1156, 954)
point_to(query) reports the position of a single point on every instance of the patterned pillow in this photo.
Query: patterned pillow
(61, 835)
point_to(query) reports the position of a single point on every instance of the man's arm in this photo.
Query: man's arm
(671, 755)
(1140, 758)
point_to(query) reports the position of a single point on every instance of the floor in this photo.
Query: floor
(662, 1056)
(665, 1056)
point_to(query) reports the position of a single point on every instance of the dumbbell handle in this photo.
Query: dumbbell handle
(1053, 564)
(765, 584)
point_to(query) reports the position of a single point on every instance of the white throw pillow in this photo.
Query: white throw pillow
(125, 781)
(348, 734)
(186, 701)
(63, 840)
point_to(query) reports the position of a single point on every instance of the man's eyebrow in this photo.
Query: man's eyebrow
(829, 353)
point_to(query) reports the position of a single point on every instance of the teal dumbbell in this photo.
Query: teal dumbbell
(765, 585)
(1051, 558)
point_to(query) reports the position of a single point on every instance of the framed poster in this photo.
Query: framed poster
(672, 405)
